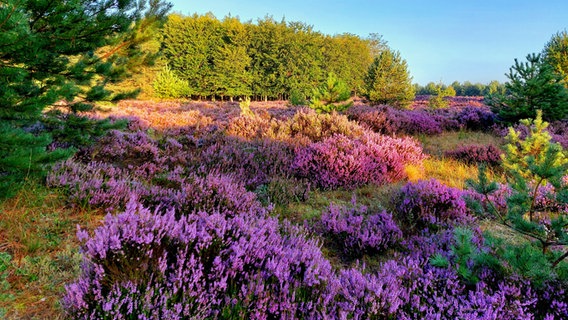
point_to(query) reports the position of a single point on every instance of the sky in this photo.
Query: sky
(442, 41)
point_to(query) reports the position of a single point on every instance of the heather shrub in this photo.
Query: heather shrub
(476, 118)
(357, 231)
(212, 193)
(253, 162)
(390, 121)
(126, 149)
(408, 288)
(316, 127)
(430, 204)
(96, 184)
(342, 162)
(364, 296)
(249, 127)
(474, 153)
(143, 264)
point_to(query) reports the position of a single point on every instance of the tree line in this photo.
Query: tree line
(209, 58)
(466, 88)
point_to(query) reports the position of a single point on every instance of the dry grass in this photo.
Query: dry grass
(454, 173)
(39, 250)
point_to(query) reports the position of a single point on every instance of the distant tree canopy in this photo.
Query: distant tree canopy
(462, 89)
(268, 59)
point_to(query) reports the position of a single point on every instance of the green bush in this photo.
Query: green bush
(388, 80)
(169, 85)
(332, 95)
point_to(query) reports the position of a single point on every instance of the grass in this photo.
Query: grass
(436, 145)
(454, 173)
(39, 253)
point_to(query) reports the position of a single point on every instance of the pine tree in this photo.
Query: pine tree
(532, 85)
(332, 95)
(388, 80)
(49, 54)
(530, 164)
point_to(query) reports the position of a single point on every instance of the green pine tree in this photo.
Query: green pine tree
(332, 95)
(556, 54)
(530, 164)
(49, 54)
(532, 85)
(388, 80)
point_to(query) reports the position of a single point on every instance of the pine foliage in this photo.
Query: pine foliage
(49, 55)
(532, 85)
(531, 164)
(388, 80)
(332, 95)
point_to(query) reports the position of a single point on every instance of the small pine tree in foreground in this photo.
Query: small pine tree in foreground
(531, 165)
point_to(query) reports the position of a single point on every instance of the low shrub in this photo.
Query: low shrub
(430, 204)
(358, 231)
(476, 118)
(144, 264)
(342, 162)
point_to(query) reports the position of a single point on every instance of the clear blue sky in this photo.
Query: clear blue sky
(463, 40)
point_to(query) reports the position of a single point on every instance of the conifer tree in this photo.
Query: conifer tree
(388, 80)
(530, 164)
(48, 54)
(332, 95)
(532, 85)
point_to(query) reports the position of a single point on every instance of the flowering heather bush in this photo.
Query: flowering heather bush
(358, 231)
(430, 204)
(253, 162)
(96, 184)
(456, 102)
(389, 120)
(126, 149)
(475, 153)
(103, 185)
(476, 118)
(409, 288)
(342, 162)
(250, 127)
(146, 265)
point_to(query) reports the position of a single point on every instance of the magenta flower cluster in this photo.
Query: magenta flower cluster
(151, 265)
(339, 161)
(390, 121)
